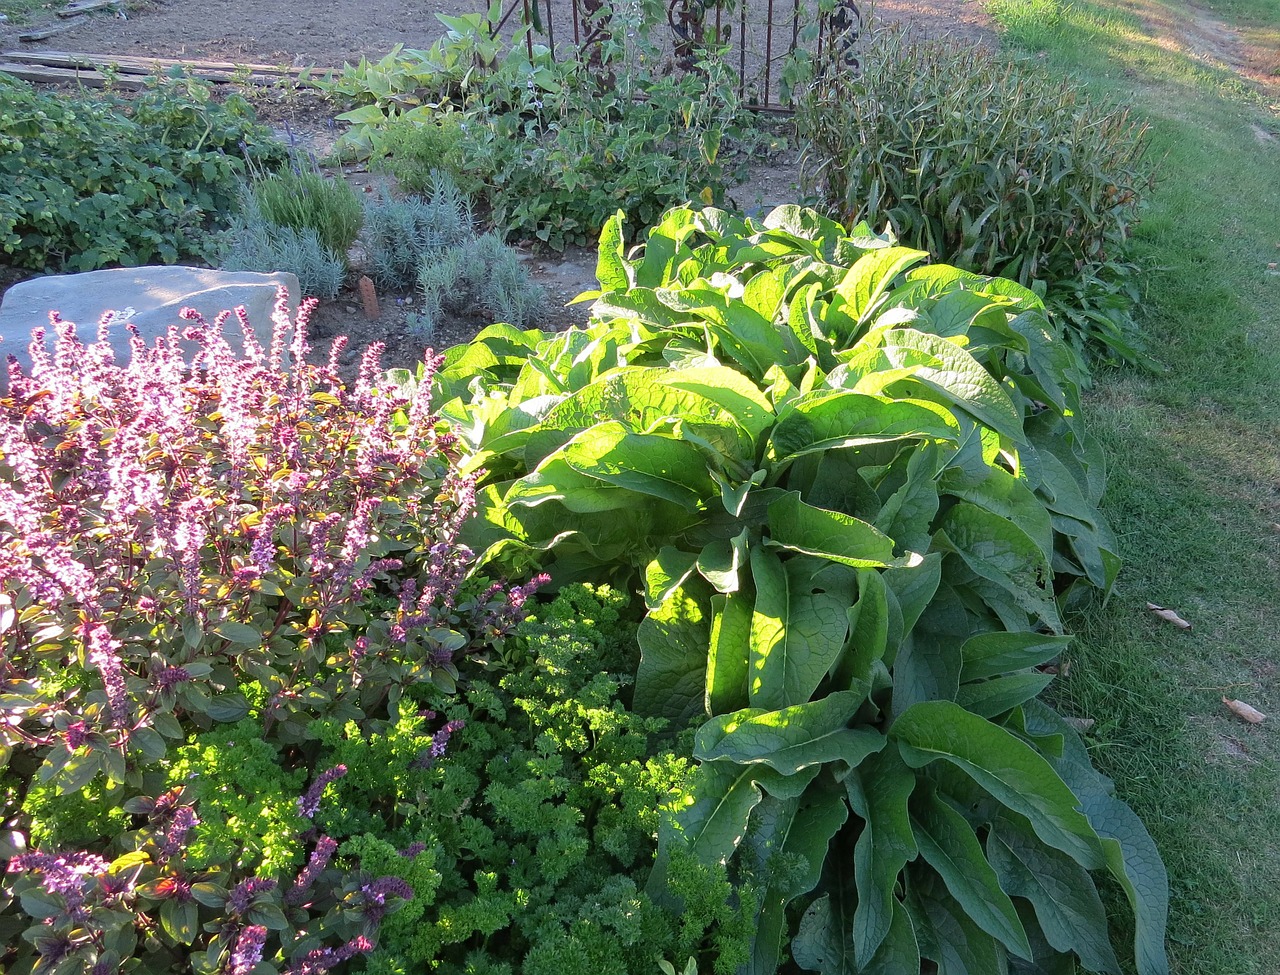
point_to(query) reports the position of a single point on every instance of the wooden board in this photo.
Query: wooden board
(44, 32)
(44, 74)
(78, 7)
(66, 76)
(132, 64)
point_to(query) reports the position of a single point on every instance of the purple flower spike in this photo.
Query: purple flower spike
(248, 950)
(309, 803)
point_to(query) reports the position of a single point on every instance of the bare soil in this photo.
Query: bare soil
(328, 33)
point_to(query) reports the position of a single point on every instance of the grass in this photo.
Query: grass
(1195, 482)
(22, 11)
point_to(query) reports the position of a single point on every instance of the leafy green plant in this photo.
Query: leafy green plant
(414, 150)
(88, 181)
(548, 147)
(1009, 172)
(858, 493)
(480, 274)
(300, 198)
(253, 243)
(400, 233)
(558, 163)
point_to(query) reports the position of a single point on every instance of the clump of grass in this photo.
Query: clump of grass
(988, 165)
(300, 198)
(416, 151)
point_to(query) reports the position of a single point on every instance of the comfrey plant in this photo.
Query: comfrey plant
(179, 537)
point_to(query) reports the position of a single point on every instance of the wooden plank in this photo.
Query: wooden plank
(41, 34)
(78, 7)
(133, 64)
(65, 76)
(44, 74)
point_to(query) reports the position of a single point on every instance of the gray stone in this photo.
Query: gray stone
(152, 297)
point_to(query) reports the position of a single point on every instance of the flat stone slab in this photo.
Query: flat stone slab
(151, 297)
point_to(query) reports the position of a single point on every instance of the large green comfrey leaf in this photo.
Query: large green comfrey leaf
(797, 633)
(1006, 767)
(948, 844)
(878, 791)
(793, 738)
(940, 365)
(828, 419)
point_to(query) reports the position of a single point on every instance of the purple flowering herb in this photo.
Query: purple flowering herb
(76, 735)
(243, 894)
(102, 654)
(168, 678)
(183, 821)
(439, 742)
(322, 960)
(376, 893)
(412, 850)
(309, 802)
(319, 859)
(64, 875)
(247, 952)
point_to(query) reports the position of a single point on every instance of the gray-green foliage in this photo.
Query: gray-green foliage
(252, 243)
(400, 233)
(857, 492)
(481, 273)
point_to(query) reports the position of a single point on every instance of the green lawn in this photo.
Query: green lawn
(1195, 466)
(22, 11)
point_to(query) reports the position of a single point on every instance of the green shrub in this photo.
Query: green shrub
(856, 494)
(987, 165)
(88, 181)
(252, 243)
(480, 274)
(400, 233)
(415, 149)
(301, 199)
(549, 148)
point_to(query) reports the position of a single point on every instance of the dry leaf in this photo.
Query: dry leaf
(1246, 712)
(1080, 724)
(1169, 616)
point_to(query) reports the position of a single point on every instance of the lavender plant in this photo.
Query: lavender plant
(204, 538)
